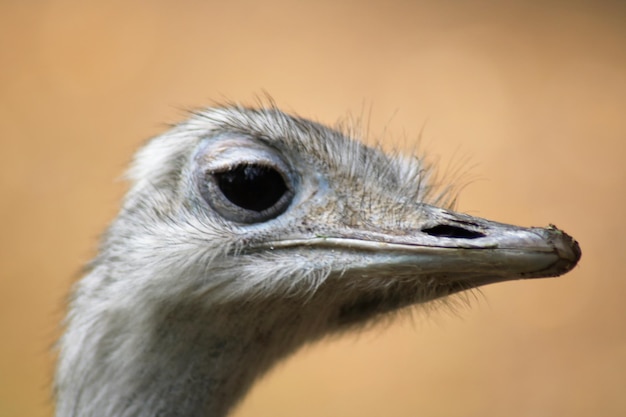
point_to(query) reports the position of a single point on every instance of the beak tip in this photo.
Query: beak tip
(566, 247)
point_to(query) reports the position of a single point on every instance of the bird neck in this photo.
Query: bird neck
(178, 360)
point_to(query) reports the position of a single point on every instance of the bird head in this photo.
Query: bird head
(241, 205)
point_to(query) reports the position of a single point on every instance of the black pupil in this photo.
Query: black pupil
(252, 187)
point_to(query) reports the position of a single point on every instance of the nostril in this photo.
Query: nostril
(444, 230)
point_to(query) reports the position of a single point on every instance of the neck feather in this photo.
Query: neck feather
(185, 359)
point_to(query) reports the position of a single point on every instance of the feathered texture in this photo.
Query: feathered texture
(378, 189)
(183, 308)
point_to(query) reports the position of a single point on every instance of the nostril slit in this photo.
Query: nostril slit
(444, 230)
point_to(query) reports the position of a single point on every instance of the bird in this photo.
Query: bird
(248, 232)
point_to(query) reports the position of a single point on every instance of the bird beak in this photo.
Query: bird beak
(453, 247)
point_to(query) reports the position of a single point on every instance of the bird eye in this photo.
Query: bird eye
(252, 187)
(248, 193)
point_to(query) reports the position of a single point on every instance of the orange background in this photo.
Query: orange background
(534, 92)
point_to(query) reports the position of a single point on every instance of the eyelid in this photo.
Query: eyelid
(224, 152)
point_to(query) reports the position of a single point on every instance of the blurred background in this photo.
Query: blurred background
(532, 92)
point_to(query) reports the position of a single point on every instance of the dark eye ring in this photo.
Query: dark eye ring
(249, 192)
